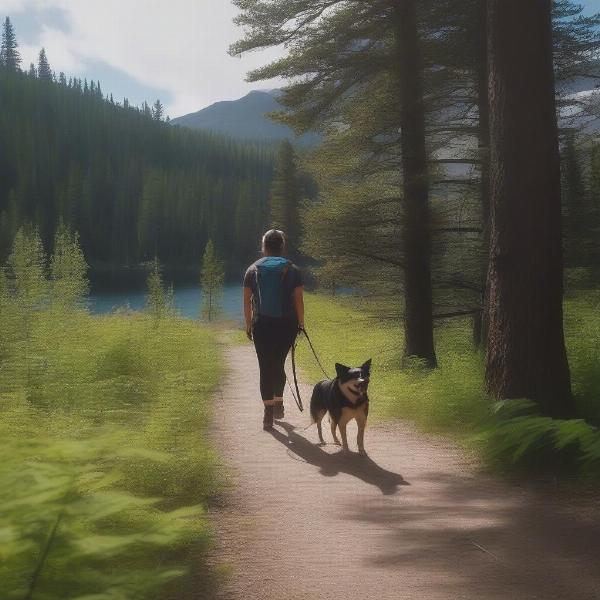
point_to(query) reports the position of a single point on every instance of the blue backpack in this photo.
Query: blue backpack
(270, 273)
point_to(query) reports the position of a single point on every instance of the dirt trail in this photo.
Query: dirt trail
(412, 521)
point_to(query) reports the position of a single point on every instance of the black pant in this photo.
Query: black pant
(273, 339)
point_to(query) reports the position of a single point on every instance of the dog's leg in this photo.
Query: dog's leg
(346, 418)
(333, 427)
(320, 416)
(361, 419)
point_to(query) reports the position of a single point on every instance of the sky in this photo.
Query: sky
(174, 50)
(590, 6)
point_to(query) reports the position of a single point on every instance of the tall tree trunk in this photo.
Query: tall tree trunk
(480, 322)
(416, 238)
(526, 355)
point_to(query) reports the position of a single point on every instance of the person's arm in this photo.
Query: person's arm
(299, 305)
(248, 311)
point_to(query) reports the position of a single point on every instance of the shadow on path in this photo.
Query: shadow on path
(479, 544)
(361, 467)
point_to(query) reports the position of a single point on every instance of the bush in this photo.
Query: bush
(518, 437)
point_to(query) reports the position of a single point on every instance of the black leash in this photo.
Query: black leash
(315, 353)
(296, 396)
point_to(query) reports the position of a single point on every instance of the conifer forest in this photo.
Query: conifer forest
(132, 186)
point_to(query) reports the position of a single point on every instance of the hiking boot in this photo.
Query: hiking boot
(268, 418)
(278, 411)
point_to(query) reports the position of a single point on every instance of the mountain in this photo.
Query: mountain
(245, 119)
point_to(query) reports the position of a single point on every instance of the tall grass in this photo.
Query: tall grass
(105, 466)
(104, 439)
(452, 398)
(582, 330)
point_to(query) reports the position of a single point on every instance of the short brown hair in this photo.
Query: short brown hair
(274, 241)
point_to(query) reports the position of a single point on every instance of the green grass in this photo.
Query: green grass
(234, 335)
(452, 398)
(105, 466)
(449, 398)
(582, 331)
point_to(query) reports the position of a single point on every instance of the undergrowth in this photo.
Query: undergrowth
(105, 466)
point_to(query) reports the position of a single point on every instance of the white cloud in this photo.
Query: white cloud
(58, 45)
(9, 6)
(180, 45)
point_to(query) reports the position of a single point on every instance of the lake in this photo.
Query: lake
(187, 300)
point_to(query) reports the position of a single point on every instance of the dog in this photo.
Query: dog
(344, 398)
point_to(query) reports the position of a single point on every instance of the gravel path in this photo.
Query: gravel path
(412, 521)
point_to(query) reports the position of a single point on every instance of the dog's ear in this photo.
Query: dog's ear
(341, 370)
(366, 368)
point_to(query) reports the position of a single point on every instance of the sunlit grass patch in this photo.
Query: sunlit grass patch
(449, 397)
(235, 335)
(582, 331)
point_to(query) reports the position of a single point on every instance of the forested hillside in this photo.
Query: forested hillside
(129, 183)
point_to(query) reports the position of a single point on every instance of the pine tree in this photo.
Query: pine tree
(580, 168)
(27, 271)
(68, 270)
(416, 235)
(526, 355)
(43, 70)
(158, 111)
(286, 195)
(160, 303)
(576, 216)
(9, 55)
(576, 43)
(211, 282)
(6, 321)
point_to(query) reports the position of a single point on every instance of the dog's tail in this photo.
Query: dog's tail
(313, 405)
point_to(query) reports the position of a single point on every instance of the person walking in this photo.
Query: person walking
(274, 314)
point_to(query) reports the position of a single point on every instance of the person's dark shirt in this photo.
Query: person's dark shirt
(291, 280)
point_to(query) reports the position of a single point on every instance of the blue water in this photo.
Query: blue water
(187, 301)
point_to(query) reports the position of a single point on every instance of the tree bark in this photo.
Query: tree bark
(416, 238)
(480, 321)
(526, 355)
